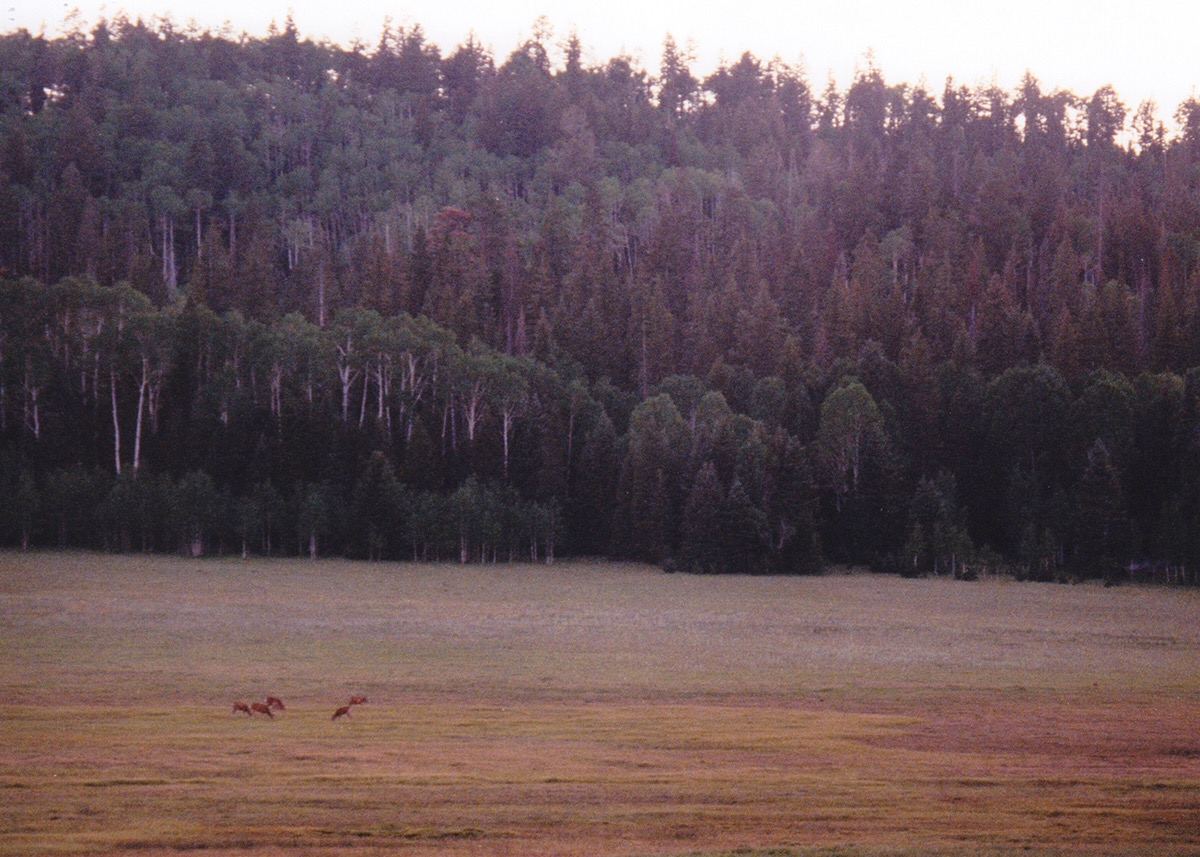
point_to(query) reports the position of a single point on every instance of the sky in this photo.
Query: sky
(1144, 50)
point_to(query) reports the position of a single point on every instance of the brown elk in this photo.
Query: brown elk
(275, 703)
(261, 708)
(357, 700)
(344, 711)
(241, 706)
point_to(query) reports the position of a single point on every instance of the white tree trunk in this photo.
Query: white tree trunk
(112, 386)
(137, 431)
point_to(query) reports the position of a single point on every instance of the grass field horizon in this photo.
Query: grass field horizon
(588, 708)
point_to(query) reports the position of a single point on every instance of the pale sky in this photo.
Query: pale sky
(1146, 49)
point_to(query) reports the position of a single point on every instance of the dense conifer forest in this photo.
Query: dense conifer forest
(399, 301)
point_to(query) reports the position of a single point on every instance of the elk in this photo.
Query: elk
(262, 709)
(241, 706)
(275, 703)
(356, 700)
(343, 711)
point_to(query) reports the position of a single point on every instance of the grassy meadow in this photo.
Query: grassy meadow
(588, 709)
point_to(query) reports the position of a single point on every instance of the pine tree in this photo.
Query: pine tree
(743, 531)
(377, 502)
(1100, 524)
(700, 547)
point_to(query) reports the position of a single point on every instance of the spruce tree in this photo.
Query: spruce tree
(700, 546)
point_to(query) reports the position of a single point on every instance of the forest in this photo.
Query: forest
(275, 296)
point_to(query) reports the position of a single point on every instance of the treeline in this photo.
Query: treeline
(129, 427)
(724, 323)
(76, 506)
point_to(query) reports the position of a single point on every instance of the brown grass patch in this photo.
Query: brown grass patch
(588, 709)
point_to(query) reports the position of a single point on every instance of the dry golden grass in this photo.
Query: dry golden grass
(588, 709)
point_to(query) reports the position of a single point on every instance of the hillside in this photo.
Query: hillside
(268, 295)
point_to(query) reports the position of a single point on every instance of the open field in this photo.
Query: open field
(588, 709)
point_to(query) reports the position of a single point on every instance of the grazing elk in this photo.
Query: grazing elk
(241, 706)
(357, 700)
(261, 708)
(275, 703)
(344, 711)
